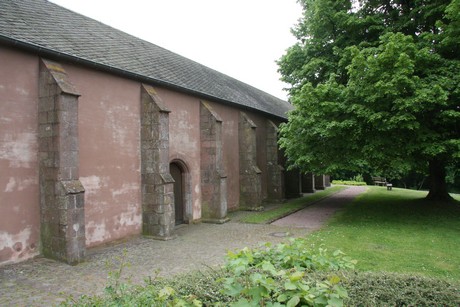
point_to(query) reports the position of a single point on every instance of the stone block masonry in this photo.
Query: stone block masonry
(213, 177)
(320, 182)
(308, 183)
(62, 215)
(293, 181)
(275, 176)
(250, 174)
(158, 218)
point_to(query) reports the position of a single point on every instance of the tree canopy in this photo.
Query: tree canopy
(376, 87)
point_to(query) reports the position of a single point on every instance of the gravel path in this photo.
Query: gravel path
(313, 217)
(44, 282)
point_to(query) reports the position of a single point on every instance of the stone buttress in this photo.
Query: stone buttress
(158, 220)
(275, 176)
(308, 183)
(213, 177)
(62, 210)
(250, 174)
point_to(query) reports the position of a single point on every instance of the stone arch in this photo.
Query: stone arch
(186, 188)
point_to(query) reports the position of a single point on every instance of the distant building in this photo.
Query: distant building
(104, 136)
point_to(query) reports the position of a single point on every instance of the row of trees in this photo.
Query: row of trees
(376, 88)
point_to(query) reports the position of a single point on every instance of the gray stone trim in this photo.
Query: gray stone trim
(250, 174)
(327, 179)
(293, 182)
(308, 183)
(62, 209)
(213, 176)
(275, 176)
(158, 219)
(320, 182)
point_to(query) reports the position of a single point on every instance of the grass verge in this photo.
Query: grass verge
(397, 231)
(289, 207)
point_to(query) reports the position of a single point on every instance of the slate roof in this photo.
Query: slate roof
(52, 30)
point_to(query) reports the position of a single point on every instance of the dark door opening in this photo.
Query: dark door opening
(176, 173)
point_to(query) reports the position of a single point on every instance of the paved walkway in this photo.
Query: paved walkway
(315, 216)
(44, 282)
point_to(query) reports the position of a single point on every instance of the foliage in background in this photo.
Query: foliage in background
(376, 89)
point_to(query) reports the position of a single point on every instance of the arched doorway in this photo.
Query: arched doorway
(179, 189)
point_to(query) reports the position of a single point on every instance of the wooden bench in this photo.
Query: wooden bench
(379, 181)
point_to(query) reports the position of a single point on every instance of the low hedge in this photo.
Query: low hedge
(349, 182)
(390, 289)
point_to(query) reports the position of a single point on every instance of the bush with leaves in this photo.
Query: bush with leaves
(349, 182)
(390, 289)
(279, 276)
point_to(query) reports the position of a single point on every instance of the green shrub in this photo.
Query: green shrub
(202, 285)
(279, 276)
(390, 289)
(349, 182)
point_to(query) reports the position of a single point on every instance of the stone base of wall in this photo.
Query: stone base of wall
(215, 221)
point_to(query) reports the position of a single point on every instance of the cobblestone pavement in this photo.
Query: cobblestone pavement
(44, 282)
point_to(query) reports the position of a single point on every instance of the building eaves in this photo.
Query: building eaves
(55, 31)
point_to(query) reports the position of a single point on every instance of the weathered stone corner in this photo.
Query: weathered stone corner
(158, 220)
(62, 215)
(308, 183)
(213, 175)
(320, 182)
(275, 172)
(250, 174)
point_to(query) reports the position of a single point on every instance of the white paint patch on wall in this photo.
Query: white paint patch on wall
(19, 149)
(93, 184)
(10, 185)
(118, 119)
(18, 184)
(22, 91)
(5, 119)
(228, 128)
(126, 188)
(96, 232)
(130, 218)
(18, 245)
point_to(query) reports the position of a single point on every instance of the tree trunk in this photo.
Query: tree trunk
(438, 185)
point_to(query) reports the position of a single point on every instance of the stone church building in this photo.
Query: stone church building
(105, 136)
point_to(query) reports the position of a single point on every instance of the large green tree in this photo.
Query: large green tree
(376, 87)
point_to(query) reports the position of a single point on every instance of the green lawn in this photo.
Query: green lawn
(397, 231)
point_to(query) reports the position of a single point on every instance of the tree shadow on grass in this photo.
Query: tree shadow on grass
(389, 209)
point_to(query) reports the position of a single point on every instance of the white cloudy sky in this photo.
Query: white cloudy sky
(241, 38)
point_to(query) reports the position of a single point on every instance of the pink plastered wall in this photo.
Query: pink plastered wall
(261, 137)
(109, 141)
(184, 139)
(230, 143)
(19, 198)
